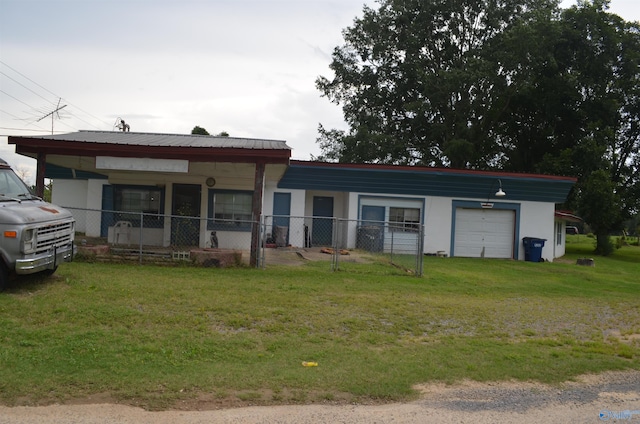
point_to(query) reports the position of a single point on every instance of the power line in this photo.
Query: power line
(17, 99)
(29, 79)
(52, 93)
(27, 88)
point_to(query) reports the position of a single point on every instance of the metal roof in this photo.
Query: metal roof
(199, 148)
(166, 140)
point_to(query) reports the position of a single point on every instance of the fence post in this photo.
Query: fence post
(261, 245)
(420, 252)
(392, 234)
(140, 237)
(334, 243)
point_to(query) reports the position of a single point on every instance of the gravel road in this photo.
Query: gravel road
(609, 397)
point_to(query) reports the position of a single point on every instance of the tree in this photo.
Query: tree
(606, 65)
(199, 131)
(417, 82)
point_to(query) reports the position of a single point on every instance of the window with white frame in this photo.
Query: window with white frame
(230, 209)
(404, 219)
(559, 233)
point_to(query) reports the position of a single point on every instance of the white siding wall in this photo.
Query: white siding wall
(437, 224)
(71, 194)
(81, 194)
(537, 220)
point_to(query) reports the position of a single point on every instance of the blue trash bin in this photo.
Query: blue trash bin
(533, 249)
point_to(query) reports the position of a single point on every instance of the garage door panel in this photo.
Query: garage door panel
(485, 233)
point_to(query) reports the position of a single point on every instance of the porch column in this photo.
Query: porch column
(256, 212)
(40, 168)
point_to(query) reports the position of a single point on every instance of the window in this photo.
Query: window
(138, 200)
(558, 233)
(404, 219)
(133, 201)
(230, 210)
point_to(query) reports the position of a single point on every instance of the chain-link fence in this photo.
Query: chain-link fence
(342, 239)
(145, 236)
(151, 237)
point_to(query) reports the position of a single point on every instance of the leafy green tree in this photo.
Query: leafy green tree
(601, 207)
(418, 82)
(199, 131)
(606, 64)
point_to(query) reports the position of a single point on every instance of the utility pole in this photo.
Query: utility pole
(55, 111)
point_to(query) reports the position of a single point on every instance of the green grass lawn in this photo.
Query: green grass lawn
(155, 336)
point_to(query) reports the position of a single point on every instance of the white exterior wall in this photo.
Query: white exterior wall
(84, 197)
(537, 220)
(438, 224)
(71, 194)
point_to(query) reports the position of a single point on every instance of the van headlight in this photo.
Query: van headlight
(27, 240)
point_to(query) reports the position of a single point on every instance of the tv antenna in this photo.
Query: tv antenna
(53, 113)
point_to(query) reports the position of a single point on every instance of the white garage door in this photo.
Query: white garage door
(485, 233)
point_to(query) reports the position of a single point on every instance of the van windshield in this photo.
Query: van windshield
(11, 186)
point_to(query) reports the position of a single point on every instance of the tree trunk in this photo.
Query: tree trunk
(604, 247)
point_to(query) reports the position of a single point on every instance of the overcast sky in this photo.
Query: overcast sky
(247, 67)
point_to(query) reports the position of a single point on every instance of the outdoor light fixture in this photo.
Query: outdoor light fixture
(499, 193)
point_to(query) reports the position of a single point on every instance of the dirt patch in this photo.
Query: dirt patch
(611, 396)
(299, 256)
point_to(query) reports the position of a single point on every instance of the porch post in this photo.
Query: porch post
(256, 211)
(42, 161)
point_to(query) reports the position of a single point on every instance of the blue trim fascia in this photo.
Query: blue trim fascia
(478, 205)
(54, 172)
(424, 183)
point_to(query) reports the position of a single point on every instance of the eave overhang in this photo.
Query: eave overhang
(423, 181)
(32, 147)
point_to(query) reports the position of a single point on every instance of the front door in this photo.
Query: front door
(281, 212)
(185, 211)
(322, 229)
(370, 234)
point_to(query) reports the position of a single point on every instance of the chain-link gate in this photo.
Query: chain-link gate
(400, 246)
